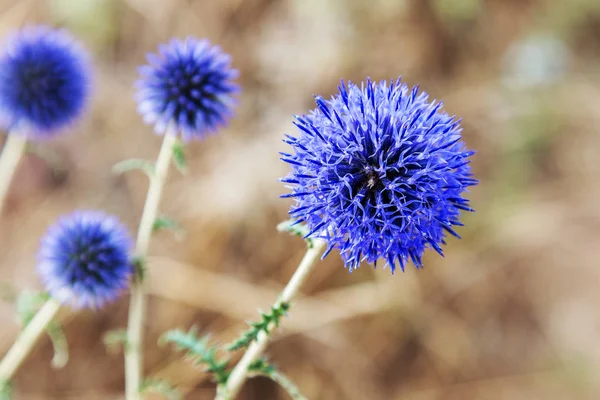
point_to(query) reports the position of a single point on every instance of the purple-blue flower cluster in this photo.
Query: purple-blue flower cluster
(188, 86)
(44, 81)
(84, 259)
(379, 172)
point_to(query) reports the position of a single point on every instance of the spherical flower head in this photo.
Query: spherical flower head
(84, 259)
(188, 86)
(44, 81)
(378, 172)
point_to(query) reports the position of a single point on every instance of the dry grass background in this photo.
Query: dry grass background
(510, 313)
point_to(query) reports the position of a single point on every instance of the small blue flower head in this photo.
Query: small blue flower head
(378, 171)
(188, 86)
(84, 259)
(44, 81)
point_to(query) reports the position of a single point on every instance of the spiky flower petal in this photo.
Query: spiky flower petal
(379, 172)
(84, 259)
(188, 85)
(44, 81)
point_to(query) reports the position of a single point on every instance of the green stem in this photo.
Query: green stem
(27, 339)
(240, 372)
(9, 160)
(137, 302)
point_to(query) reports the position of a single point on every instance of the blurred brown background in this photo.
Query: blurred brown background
(510, 313)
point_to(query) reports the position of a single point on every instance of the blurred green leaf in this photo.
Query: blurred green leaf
(179, 157)
(296, 229)
(115, 339)
(160, 386)
(59, 343)
(199, 351)
(134, 164)
(168, 223)
(262, 368)
(5, 390)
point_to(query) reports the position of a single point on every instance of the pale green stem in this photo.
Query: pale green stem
(26, 340)
(133, 348)
(9, 160)
(255, 350)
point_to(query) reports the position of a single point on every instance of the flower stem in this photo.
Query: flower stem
(240, 372)
(11, 155)
(26, 340)
(133, 348)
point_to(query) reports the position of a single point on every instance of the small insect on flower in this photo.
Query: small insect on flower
(44, 81)
(84, 260)
(189, 86)
(378, 171)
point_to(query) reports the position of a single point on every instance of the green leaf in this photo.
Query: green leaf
(261, 365)
(115, 339)
(28, 304)
(139, 265)
(296, 229)
(5, 390)
(134, 164)
(8, 293)
(262, 368)
(59, 343)
(168, 223)
(199, 351)
(179, 157)
(160, 386)
(268, 320)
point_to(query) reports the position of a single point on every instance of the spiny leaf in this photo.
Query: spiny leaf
(267, 321)
(132, 164)
(114, 339)
(199, 350)
(261, 365)
(179, 157)
(160, 386)
(168, 223)
(296, 229)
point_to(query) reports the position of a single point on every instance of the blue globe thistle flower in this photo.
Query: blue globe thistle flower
(84, 260)
(44, 81)
(189, 86)
(378, 171)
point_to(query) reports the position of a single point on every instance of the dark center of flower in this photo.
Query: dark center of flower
(36, 82)
(188, 89)
(372, 177)
(87, 261)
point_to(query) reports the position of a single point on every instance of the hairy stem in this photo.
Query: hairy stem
(11, 155)
(133, 348)
(240, 372)
(26, 340)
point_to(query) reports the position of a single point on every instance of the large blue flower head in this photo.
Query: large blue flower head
(378, 172)
(44, 81)
(84, 259)
(188, 86)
